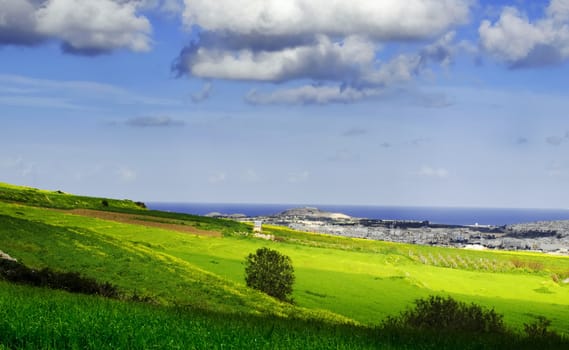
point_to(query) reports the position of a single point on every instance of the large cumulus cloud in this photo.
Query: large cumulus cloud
(82, 26)
(521, 42)
(331, 42)
(384, 20)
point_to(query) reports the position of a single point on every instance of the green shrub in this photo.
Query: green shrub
(271, 272)
(539, 328)
(448, 315)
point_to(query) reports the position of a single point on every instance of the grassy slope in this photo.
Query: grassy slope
(32, 318)
(364, 280)
(58, 199)
(102, 250)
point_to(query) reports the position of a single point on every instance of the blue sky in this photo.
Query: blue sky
(421, 103)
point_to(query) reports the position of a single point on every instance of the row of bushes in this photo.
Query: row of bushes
(73, 282)
(446, 317)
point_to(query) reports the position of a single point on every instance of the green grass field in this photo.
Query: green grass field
(33, 318)
(338, 280)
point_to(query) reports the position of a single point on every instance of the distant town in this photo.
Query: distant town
(546, 236)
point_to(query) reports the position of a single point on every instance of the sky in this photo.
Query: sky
(457, 103)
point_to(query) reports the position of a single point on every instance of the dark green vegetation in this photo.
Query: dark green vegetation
(13, 271)
(444, 314)
(467, 325)
(270, 272)
(344, 288)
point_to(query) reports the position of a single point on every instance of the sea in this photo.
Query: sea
(439, 215)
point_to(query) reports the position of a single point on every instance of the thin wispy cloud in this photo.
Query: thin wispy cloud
(557, 168)
(554, 140)
(75, 93)
(18, 165)
(203, 94)
(39, 102)
(298, 177)
(557, 140)
(433, 172)
(344, 155)
(354, 132)
(154, 122)
(126, 174)
(251, 176)
(312, 95)
(522, 140)
(217, 178)
(421, 141)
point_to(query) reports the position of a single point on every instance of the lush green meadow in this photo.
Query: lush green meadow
(339, 281)
(32, 318)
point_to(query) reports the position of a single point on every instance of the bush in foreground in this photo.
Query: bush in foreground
(271, 272)
(444, 323)
(437, 313)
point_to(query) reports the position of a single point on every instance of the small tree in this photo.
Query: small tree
(271, 272)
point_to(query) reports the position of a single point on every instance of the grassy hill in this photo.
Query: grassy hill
(344, 288)
(58, 199)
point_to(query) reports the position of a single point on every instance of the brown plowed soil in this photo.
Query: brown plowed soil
(149, 221)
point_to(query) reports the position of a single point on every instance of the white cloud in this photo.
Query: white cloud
(250, 176)
(352, 60)
(520, 42)
(351, 64)
(126, 174)
(18, 22)
(428, 171)
(298, 177)
(322, 60)
(216, 178)
(83, 26)
(558, 10)
(310, 94)
(322, 41)
(325, 94)
(382, 20)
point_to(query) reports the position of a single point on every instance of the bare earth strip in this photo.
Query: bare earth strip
(148, 221)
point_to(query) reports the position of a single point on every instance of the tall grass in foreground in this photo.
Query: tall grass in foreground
(32, 318)
(39, 319)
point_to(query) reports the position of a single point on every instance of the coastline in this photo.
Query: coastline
(438, 215)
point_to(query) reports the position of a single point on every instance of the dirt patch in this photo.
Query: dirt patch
(148, 221)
